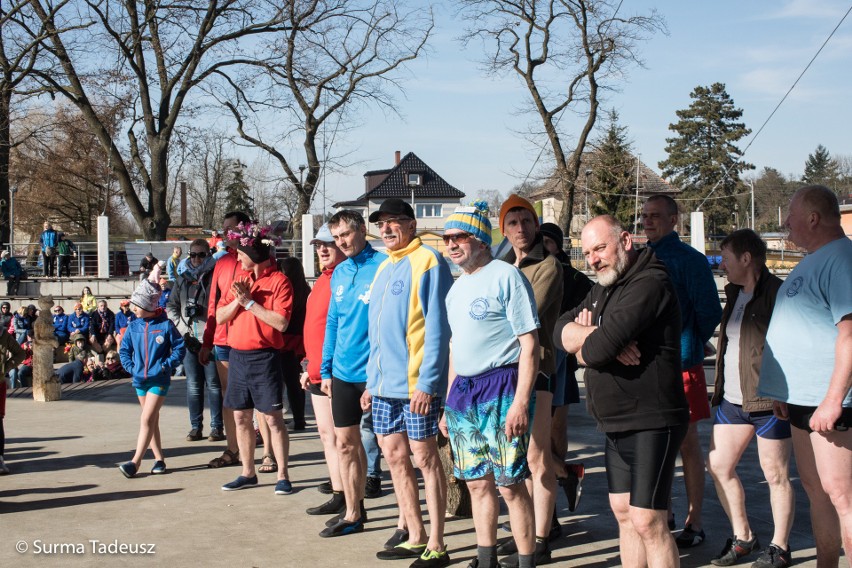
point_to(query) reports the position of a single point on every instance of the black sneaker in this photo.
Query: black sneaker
(432, 559)
(555, 529)
(373, 487)
(216, 435)
(325, 488)
(401, 551)
(689, 537)
(334, 506)
(542, 556)
(773, 557)
(475, 564)
(338, 518)
(399, 536)
(734, 550)
(343, 527)
(194, 435)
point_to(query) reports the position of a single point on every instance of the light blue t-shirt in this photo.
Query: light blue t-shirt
(799, 355)
(488, 310)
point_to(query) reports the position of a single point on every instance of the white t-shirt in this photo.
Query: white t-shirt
(487, 311)
(733, 387)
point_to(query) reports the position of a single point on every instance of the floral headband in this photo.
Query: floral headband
(252, 235)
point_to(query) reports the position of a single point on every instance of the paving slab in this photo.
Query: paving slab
(66, 503)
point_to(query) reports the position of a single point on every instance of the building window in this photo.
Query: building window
(429, 210)
(415, 179)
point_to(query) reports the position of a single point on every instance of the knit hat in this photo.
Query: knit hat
(553, 231)
(4, 254)
(124, 303)
(77, 336)
(471, 219)
(147, 295)
(256, 242)
(513, 202)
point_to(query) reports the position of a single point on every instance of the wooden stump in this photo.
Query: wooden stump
(45, 382)
(458, 497)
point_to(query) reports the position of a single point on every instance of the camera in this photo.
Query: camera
(191, 309)
(192, 344)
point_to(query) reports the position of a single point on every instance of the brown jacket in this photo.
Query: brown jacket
(752, 337)
(11, 354)
(545, 275)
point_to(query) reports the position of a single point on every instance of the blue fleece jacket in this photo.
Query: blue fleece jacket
(346, 347)
(78, 323)
(150, 349)
(700, 308)
(409, 331)
(60, 325)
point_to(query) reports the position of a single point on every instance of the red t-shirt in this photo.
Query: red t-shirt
(226, 270)
(316, 314)
(273, 291)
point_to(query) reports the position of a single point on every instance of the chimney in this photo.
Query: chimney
(396, 158)
(183, 203)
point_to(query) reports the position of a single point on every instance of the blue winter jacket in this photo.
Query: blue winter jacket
(409, 331)
(150, 349)
(700, 308)
(60, 324)
(346, 347)
(122, 320)
(78, 324)
(48, 238)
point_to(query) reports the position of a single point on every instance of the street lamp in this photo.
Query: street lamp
(12, 191)
(588, 171)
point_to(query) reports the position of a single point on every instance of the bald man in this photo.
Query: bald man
(807, 366)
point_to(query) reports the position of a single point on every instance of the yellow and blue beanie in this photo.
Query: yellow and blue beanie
(472, 219)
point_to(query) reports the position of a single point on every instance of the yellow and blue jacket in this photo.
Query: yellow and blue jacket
(409, 331)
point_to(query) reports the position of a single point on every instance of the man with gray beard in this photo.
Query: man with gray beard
(627, 335)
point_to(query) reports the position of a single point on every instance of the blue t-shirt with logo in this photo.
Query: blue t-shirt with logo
(799, 355)
(488, 310)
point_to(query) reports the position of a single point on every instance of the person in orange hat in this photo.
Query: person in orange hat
(122, 319)
(520, 225)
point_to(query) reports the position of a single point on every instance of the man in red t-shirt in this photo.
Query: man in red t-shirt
(257, 310)
(215, 339)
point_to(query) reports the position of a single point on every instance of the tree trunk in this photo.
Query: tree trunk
(5, 147)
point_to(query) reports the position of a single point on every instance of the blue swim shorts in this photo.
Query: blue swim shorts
(148, 387)
(393, 416)
(765, 424)
(476, 419)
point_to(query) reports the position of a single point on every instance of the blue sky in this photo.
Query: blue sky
(466, 125)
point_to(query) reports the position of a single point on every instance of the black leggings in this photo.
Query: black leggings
(295, 393)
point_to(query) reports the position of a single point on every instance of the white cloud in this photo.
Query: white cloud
(814, 9)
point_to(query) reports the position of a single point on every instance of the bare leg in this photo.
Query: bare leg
(353, 468)
(426, 454)
(246, 440)
(727, 444)
(542, 483)
(559, 439)
(521, 516)
(630, 545)
(483, 502)
(279, 440)
(395, 448)
(227, 413)
(149, 428)
(824, 520)
(325, 426)
(833, 455)
(693, 475)
(263, 426)
(775, 462)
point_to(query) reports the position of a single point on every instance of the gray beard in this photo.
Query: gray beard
(617, 271)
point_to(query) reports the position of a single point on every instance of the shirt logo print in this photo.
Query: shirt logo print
(338, 294)
(365, 297)
(397, 287)
(478, 309)
(795, 286)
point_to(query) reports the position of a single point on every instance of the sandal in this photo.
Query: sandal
(226, 459)
(268, 465)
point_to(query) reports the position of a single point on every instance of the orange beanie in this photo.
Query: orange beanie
(515, 201)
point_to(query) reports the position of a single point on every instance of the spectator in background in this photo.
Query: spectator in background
(22, 323)
(12, 272)
(22, 375)
(6, 316)
(79, 365)
(146, 265)
(48, 241)
(110, 369)
(294, 345)
(214, 241)
(172, 265)
(88, 300)
(101, 328)
(122, 319)
(78, 322)
(60, 324)
(64, 249)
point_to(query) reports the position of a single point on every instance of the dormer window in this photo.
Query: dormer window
(415, 179)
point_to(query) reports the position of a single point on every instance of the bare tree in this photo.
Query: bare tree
(208, 175)
(157, 50)
(334, 56)
(567, 53)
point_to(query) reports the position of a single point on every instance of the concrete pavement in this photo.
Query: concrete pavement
(66, 492)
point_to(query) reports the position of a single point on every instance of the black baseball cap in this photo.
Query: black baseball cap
(392, 206)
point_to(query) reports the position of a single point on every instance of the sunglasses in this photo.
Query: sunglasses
(57, 311)
(458, 238)
(320, 245)
(389, 220)
(198, 255)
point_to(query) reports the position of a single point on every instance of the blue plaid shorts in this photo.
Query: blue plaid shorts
(393, 415)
